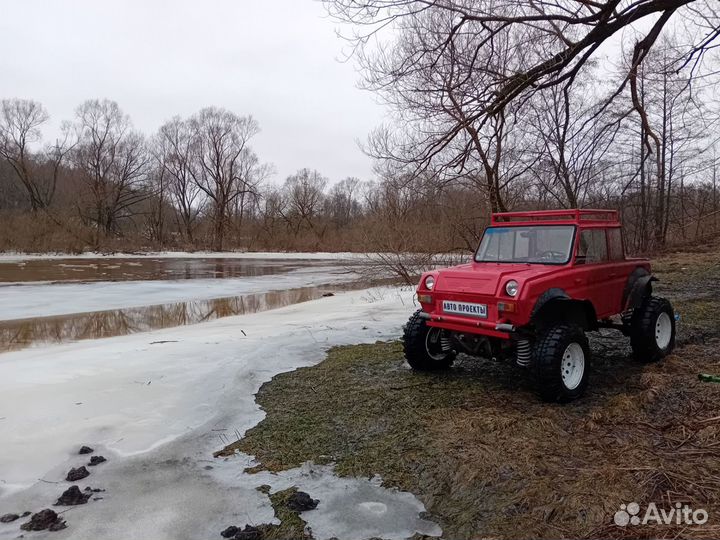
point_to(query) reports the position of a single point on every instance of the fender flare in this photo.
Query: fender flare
(638, 286)
(557, 294)
(551, 294)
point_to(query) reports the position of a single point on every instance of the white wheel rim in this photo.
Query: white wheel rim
(573, 366)
(663, 330)
(433, 336)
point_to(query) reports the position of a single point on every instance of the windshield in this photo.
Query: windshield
(540, 244)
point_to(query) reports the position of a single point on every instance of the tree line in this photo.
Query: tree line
(198, 184)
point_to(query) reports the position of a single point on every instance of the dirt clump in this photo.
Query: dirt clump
(291, 526)
(46, 519)
(96, 460)
(77, 474)
(73, 496)
(301, 502)
(249, 532)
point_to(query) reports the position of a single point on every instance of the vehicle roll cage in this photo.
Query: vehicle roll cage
(573, 216)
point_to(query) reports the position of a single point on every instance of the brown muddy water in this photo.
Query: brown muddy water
(128, 269)
(22, 333)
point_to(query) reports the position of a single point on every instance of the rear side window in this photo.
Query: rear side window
(615, 245)
(592, 247)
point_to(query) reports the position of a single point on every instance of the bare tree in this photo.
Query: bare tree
(112, 161)
(174, 148)
(156, 215)
(342, 203)
(435, 106)
(305, 195)
(572, 142)
(551, 41)
(456, 71)
(227, 166)
(680, 119)
(36, 169)
(272, 217)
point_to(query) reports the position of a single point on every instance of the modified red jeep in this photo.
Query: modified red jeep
(538, 282)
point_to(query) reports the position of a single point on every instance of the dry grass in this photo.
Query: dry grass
(489, 460)
(40, 233)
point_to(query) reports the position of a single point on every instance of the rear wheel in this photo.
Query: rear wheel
(426, 348)
(652, 332)
(562, 362)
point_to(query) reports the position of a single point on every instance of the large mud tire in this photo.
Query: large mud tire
(561, 360)
(422, 346)
(652, 330)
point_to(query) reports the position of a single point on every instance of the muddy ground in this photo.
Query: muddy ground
(489, 460)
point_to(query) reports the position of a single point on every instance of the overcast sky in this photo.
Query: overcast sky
(276, 60)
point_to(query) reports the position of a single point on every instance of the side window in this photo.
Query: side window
(615, 245)
(592, 247)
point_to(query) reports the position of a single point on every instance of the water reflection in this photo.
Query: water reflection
(19, 334)
(121, 269)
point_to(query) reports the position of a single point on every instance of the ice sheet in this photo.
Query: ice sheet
(349, 508)
(157, 412)
(20, 301)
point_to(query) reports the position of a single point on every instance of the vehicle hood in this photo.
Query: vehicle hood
(487, 278)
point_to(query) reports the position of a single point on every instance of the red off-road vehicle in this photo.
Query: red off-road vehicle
(538, 282)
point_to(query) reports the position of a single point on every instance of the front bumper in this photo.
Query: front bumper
(471, 326)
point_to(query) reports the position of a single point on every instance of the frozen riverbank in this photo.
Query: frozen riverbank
(20, 301)
(157, 404)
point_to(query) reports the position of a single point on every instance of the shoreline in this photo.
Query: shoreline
(12, 257)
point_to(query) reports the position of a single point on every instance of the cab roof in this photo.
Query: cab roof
(573, 216)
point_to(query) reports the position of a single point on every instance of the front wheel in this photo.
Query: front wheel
(562, 363)
(426, 348)
(652, 332)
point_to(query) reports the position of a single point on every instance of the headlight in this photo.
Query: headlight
(429, 283)
(511, 287)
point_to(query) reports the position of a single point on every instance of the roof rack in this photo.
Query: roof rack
(574, 216)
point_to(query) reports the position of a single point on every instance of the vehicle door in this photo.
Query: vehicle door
(617, 271)
(591, 268)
